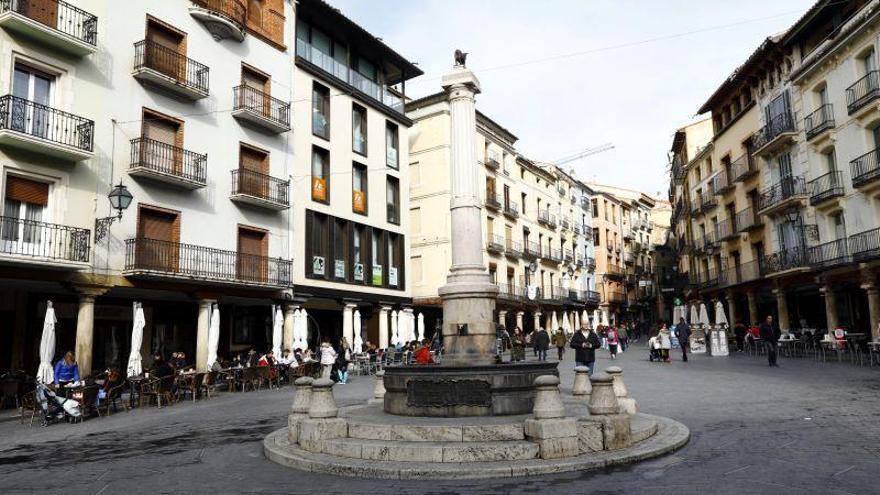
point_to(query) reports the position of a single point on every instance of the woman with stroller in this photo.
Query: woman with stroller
(66, 371)
(665, 342)
(328, 359)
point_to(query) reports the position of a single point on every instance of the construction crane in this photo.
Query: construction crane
(582, 154)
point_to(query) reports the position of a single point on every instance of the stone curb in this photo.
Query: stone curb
(670, 436)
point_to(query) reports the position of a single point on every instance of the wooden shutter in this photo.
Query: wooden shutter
(251, 159)
(160, 129)
(162, 57)
(42, 11)
(253, 248)
(27, 191)
(157, 225)
(157, 240)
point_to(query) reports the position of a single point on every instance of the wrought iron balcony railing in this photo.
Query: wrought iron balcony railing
(531, 250)
(865, 169)
(567, 255)
(44, 241)
(174, 259)
(829, 253)
(826, 187)
(863, 91)
(787, 188)
(513, 248)
(777, 126)
(182, 70)
(262, 104)
(708, 200)
(46, 124)
(726, 229)
(613, 270)
(509, 292)
(745, 272)
(495, 244)
(234, 10)
(743, 167)
(511, 209)
(592, 297)
(787, 259)
(865, 245)
(746, 220)
(167, 159)
(590, 263)
(616, 296)
(58, 15)
(262, 186)
(721, 183)
(493, 200)
(819, 121)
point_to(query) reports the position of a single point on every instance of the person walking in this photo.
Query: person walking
(542, 344)
(518, 345)
(328, 359)
(585, 342)
(613, 341)
(623, 337)
(770, 335)
(665, 343)
(560, 341)
(683, 332)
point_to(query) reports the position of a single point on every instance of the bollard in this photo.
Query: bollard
(299, 410)
(581, 388)
(323, 403)
(378, 389)
(616, 373)
(555, 434)
(602, 400)
(548, 402)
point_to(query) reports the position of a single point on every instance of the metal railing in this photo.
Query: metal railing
(259, 185)
(509, 291)
(29, 238)
(183, 70)
(865, 168)
(786, 259)
(567, 255)
(248, 98)
(863, 91)
(553, 255)
(168, 159)
(785, 189)
(592, 296)
(829, 253)
(613, 270)
(57, 15)
(495, 243)
(743, 167)
(532, 249)
(819, 121)
(726, 229)
(492, 162)
(178, 259)
(739, 274)
(616, 296)
(707, 200)
(746, 219)
(826, 187)
(328, 64)
(865, 245)
(565, 222)
(777, 126)
(46, 123)
(234, 10)
(628, 258)
(513, 248)
(721, 183)
(511, 209)
(493, 200)
(590, 262)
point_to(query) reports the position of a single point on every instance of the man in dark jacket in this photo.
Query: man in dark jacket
(683, 332)
(542, 343)
(585, 342)
(770, 335)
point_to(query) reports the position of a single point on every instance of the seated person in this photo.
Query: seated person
(268, 360)
(288, 359)
(112, 378)
(66, 370)
(423, 354)
(161, 368)
(252, 359)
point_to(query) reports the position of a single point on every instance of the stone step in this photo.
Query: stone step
(642, 427)
(443, 452)
(372, 430)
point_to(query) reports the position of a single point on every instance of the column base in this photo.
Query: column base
(468, 324)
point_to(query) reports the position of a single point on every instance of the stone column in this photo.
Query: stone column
(469, 294)
(831, 320)
(731, 308)
(519, 319)
(348, 322)
(383, 326)
(873, 308)
(754, 317)
(782, 308)
(287, 334)
(502, 318)
(536, 320)
(85, 327)
(204, 322)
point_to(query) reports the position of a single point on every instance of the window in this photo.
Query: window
(253, 247)
(415, 220)
(395, 260)
(340, 249)
(869, 62)
(376, 244)
(320, 175)
(253, 167)
(839, 223)
(392, 151)
(320, 111)
(594, 206)
(24, 202)
(33, 85)
(830, 160)
(358, 253)
(317, 245)
(359, 130)
(392, 200)
(359, 188)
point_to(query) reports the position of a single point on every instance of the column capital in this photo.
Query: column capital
(385, 308)
(779, 292)
(502, 311)
(869, 287)
(87, 292)
(350, 306)
(520, 313)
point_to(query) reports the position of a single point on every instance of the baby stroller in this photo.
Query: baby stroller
(654, 348)
(54, 407)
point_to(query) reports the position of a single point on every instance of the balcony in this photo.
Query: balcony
(708, 278)
(616, 297)
(40, 243)
(614, 271)
(224, 19)
(576, 228)
(547, 219)
(565, 222)
(721, 183)
(865, 170)
(747, 220)
(627, 232)
(592, 297)
(493, 201)
(825, 187)
(739, 274)
(677, 171)
(696, 204)
(52, 23)
(492, 162)
(779, 132)
(509, 292)
(257, 189)
(260, 109)
(576, 295)
(495, 244)
(588, 234)
(726, 230)
(828, 254)
(707, 201)
(306, 52)
(788, 191)
(819, 121)
(863, 92)
(511, 210)
(590, 263)
(162, 260)
(531, 250)
(44, 130)
(560, 189)
(567, 256)
(743, 168)
(168, 70)
(628, 258)
(166, 163)
(865, 245)
(783, 261)
(552, 255)
(513, 249)
(579, 262)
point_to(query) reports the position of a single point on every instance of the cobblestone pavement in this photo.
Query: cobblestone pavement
(803, 428)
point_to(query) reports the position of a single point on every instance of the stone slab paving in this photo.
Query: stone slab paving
(803, 428)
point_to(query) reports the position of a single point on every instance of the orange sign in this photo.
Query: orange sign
(359, 201)
(319, 189)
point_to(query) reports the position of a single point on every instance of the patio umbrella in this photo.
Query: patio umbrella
(395, 328)
(704, 315)
(605, 318)
(411, 325)
(300, 333)
(585, 317)
(554, 323)
(277, 332)
(596, 319)
(135, 366)
(695, 315)
(566, 325)
(213, 335)
(358, 338)
(421, 319)
(577, 320)
(720, 316)
(45, 373)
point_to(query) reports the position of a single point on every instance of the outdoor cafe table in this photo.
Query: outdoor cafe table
(134, 387)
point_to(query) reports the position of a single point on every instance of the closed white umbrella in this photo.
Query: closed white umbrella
(695, 315)
(304, 327)
(566, 325)
(720, 315)
(395, 328)
(299, 330)
(45, 373)
(596, 318)
(296, 340)
(411, 325)
(605, 318)
(421, 326)
(277, 332)
(704, 315)
(213, 335)
(358, 339)
(135, 365)
(585, 317)
(577, 320)
(554, 322)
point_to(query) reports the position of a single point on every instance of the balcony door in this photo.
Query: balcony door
(165, 50)
(160, 149)
(158, 239)
(253, 169)
(490, 188)
(42, 11)
(36, 87)
(252, 262)
(24, 208)
(255, 91)
(776, 112)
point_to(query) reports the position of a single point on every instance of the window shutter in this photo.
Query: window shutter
(27, 191)
(157, 225)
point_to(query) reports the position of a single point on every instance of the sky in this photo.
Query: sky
(538, 83)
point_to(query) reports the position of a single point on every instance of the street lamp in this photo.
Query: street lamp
(120, 199)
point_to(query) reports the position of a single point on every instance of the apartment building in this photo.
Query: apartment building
(190, 107)
(787, 230)
(536, 231)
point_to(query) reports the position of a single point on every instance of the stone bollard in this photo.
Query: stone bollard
(581, 389)
(602, 399)
(299, 410)
(555, 434)
(378, 389)
(605, 417)
(322, 423)
(627, 405)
